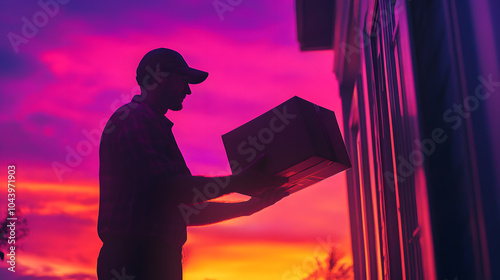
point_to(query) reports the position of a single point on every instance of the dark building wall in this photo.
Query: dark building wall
(460, 172)
(409, 73)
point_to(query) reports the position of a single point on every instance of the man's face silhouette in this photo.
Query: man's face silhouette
(173, 91)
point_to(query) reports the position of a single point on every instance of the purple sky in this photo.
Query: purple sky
(62, 83)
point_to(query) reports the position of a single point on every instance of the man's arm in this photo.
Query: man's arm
(187, 189)
(214, 212)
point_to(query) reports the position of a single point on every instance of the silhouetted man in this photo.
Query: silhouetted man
(144, 179)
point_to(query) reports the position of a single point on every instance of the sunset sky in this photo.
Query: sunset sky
(76, 64)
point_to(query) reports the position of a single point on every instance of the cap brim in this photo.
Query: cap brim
(195, 76)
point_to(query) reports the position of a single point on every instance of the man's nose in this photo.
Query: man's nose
(188, 90)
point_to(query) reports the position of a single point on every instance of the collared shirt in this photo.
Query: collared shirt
(137, 146)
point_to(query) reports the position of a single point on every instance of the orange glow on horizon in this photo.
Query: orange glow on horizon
(67, 244)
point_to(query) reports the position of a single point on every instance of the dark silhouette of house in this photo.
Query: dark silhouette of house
(420, 89)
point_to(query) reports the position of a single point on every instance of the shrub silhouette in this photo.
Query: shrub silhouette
(331, 268)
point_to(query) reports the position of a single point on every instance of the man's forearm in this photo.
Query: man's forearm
(187, 189)
(191, 190)
(214, 212)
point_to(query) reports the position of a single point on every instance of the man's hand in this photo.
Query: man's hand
(215, 212)
(269, 197)
(252, 181)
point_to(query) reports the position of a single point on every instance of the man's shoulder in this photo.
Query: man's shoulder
(128, 117)
(131, 112)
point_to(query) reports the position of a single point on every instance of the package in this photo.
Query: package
(299, 140)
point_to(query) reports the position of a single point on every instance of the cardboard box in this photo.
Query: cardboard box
(299, 139)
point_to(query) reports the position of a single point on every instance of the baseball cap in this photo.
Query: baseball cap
(168, 61)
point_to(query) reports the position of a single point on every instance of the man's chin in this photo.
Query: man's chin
(177, 107)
